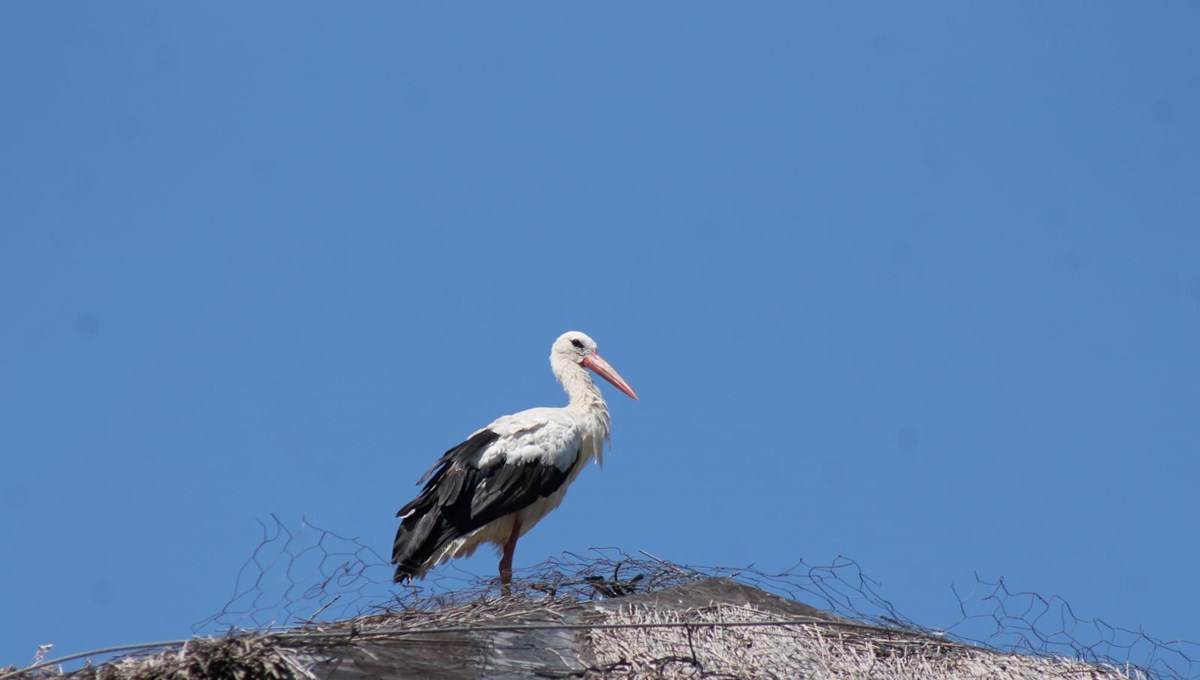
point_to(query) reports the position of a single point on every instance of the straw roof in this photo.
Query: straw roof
(664, 624)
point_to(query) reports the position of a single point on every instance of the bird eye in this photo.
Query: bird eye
(577, 342)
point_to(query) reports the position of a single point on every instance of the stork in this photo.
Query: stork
(495, 486)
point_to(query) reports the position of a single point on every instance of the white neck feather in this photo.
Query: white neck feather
(586, 402)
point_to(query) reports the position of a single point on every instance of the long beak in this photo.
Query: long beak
(606, 371)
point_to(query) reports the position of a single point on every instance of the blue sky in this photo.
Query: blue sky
(918, 284)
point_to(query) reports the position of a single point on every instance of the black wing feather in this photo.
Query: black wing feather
(461, 497)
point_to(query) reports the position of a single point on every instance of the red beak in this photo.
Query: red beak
(606, 371)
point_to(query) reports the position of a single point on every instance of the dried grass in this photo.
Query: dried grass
(711, 648)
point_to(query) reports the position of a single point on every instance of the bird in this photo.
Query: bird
(500, 482)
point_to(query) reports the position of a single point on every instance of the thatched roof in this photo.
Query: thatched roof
(665, 624)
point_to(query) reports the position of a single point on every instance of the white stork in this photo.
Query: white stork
(503, 479)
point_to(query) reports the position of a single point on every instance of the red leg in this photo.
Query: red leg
(506, 559)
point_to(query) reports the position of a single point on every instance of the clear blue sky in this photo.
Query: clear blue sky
(917, 284)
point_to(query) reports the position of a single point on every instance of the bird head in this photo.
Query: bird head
(578, 348)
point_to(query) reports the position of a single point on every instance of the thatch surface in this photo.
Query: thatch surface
(817, 650)
(243, 656)
(674, 626)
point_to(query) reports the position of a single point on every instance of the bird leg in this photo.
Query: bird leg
(506, 559)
